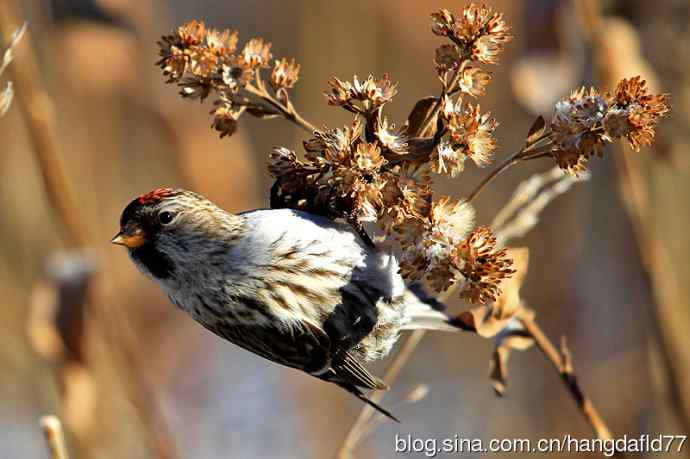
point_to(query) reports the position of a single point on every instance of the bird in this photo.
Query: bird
(298, 289)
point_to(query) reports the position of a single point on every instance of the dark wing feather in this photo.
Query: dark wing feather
(307, 351)
(349, 370)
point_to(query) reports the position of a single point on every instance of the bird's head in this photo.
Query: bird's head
(167, 227)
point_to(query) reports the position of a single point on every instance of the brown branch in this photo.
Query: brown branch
(54, 436)
(561, 361)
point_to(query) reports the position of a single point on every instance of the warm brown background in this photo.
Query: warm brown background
(123, 132)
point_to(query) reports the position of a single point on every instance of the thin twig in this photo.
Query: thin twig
(524, 192)
(512, 160)
(287, 110)
(54, 436)
(562, 364)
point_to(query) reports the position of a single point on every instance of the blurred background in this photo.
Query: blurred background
(87, 337)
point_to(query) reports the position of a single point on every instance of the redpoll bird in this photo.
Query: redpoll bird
(295, 288)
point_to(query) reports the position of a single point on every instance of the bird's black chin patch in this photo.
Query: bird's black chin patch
(156, 262)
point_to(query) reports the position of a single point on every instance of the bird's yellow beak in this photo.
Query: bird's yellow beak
(130, 241)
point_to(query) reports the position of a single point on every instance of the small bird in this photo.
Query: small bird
(298, 289)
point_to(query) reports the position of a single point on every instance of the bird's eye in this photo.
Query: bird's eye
(166, 217)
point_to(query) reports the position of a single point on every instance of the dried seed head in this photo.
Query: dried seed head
(192, 33)
(443, 23)
(368, 158)
(285, 73)
(479, 31)
(236, 74)
(447, 58)
(334, 143)
(451, 220)
(482, 266)
(447, 159)
(225, 120)
(471, 132)
(432, 250)
(257, 53)
(391, 138)
(474, 81)
(485, 30)
(221, 43)
(634, 112)
(407, 201)
(374, 93)
(577, 131)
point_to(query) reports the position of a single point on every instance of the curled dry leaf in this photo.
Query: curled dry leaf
(419, 113)
(536, 131)
(512, 337)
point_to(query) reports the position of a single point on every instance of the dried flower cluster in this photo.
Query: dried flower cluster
(584, 121)
(479, 32)
(477, 35)
(371, 171)
(203, 61)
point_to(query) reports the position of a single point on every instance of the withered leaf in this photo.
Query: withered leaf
(417, 116)
(262, 112)
(512, 337)
(536, 131)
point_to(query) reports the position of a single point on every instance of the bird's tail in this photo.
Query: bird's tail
(357, 392)
(423, 312)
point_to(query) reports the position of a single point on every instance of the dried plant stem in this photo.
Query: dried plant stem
(54, 436)
(39, 113)
(287, 110)
(520, 156)
(524, 192)
(562, 364)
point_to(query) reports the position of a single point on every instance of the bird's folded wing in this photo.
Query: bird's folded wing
(309, 351)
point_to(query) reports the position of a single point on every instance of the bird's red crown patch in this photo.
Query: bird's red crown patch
(155, 195)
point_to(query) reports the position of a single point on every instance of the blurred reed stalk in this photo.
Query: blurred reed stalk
(39, 114)
(54, 436)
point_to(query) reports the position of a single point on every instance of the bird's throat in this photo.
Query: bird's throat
(154, 261)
